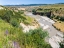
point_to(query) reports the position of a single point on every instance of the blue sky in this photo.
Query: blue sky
(13, 2)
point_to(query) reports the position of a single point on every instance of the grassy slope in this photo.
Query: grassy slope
(3, 27)
(57, 6)
(10, 33)
(14, 34)
(29, 20)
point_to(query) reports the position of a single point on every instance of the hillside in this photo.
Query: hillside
(12, 34)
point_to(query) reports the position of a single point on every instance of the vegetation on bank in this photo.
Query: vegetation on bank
(54, 12)
(61, 45)
(11, 34)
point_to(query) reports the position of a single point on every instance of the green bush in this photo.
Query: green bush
(36, 38)
(61, 45)
(7, 14)
(34, 11)
(57, 17)
(14, 23)
(62, 18)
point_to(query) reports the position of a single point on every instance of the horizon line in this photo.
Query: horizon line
(35, 3)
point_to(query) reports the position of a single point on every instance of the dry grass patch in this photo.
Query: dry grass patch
(59, 26)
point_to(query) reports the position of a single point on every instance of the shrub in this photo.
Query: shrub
(61, 45)
(34, 11)
(62, 18)
(39, 9)
(60, 22)
(6, 15)
(57, 17)
(37, 37)
(14, 23)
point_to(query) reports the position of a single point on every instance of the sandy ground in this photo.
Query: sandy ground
(27, 28)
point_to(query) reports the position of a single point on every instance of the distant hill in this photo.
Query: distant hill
(60, 3)
(28, 5)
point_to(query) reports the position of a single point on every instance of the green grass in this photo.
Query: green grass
(13, 33)
(54, 7)
(57, 6)
(10, 34)
(3, 27)
(29, 20)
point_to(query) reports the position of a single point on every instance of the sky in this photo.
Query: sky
(17, 2)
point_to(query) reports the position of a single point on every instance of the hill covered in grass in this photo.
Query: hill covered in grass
(55, 9)
(12, 34)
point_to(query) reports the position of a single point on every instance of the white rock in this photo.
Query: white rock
(27, 28)
(46, 27)
(41, 24)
